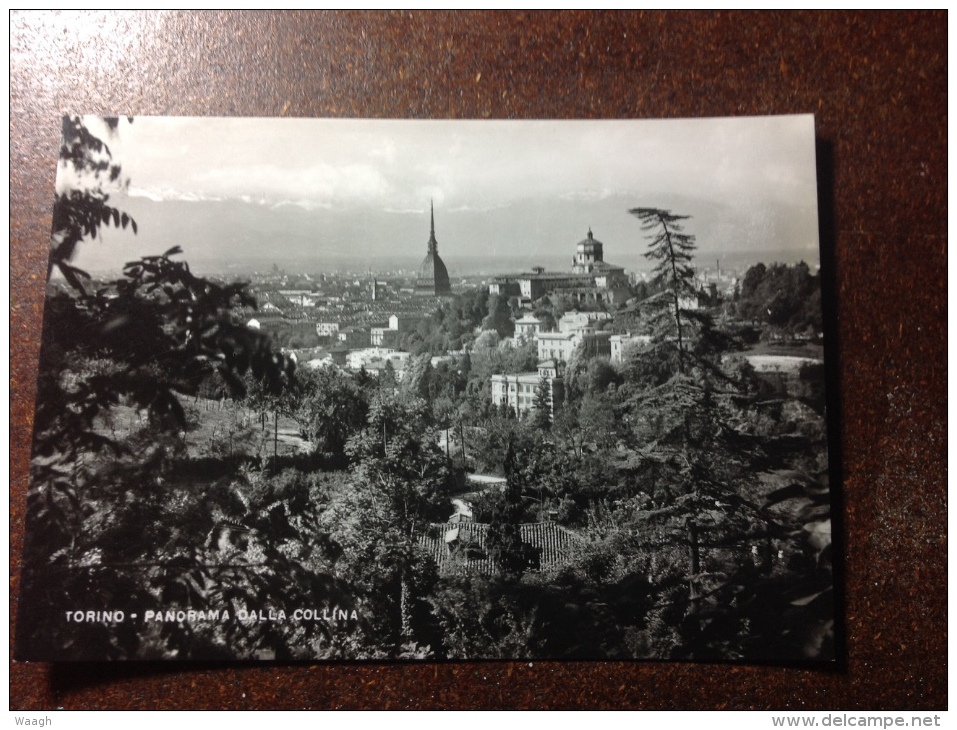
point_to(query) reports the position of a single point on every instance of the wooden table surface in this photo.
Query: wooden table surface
(877, 84)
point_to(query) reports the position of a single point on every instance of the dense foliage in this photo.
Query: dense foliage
(786, 298)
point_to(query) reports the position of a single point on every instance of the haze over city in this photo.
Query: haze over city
(241, 194)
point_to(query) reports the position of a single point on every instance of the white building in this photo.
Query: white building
(556, 345)
(592, 279)
(572, 321)
(301, 297)
(527, 328)
(328, 329)
(384, 337)
(374, 360)
(519, 391)
(560, 345)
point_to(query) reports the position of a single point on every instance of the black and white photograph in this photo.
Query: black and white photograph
(396, 390)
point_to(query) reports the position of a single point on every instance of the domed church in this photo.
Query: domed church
(433, 279)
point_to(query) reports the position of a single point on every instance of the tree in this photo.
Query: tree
(785, 297)
(163, 329)
(504, 537)
(586, 374)
(597, 419)
(672, 249)
(499, 316)
(542, 413)
(686, 415)
(80, 205)
(140, 342)
(752, 280)
(330, 408)
(487, 340)
(418, 381)
(399, 484)
(387, 377)
(703, 457)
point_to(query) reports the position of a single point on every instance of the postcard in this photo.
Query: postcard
(431, 390)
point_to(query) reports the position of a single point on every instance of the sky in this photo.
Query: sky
(233, 189)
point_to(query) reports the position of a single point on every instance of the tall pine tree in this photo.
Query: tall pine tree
(672, 250)
(542, 413)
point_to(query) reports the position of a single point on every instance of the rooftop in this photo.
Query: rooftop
(556, 543)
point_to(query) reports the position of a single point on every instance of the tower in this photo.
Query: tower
(433, 278)
(588, 253)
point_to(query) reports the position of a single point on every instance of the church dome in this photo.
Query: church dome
(433, 278)
(433, 270)
(589, 254)
(589, 242)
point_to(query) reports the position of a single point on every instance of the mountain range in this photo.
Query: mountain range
(243, 234)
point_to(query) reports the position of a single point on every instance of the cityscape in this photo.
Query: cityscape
(357, 321)
(555, 421)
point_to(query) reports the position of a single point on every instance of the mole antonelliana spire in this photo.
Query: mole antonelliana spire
(433, 278)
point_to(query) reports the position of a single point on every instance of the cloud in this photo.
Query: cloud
(479, 208)
(469, 166)
(405, 211)
(170, 193)
(591, 195)
(302, 203)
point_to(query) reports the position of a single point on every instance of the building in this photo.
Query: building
(339, 355)
(527, 328)
(300, 297)
(328, 330)
(398, 323)
(354, 336)
(384, 337)
(574, 321)
(459, 548)
(504, 286)
(538, 283)
(376, 360)
(591, 280)
(559, 346)
(620, 342)
(556, 345)
(433, 278)
(380, 289)
(404, 322)
(519, 391)
(590, 259)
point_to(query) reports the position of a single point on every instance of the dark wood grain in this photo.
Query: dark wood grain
(877, 84)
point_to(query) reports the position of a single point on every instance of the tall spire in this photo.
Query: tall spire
(433, 279)
(433, 244)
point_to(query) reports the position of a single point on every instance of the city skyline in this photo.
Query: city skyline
(326, 192)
